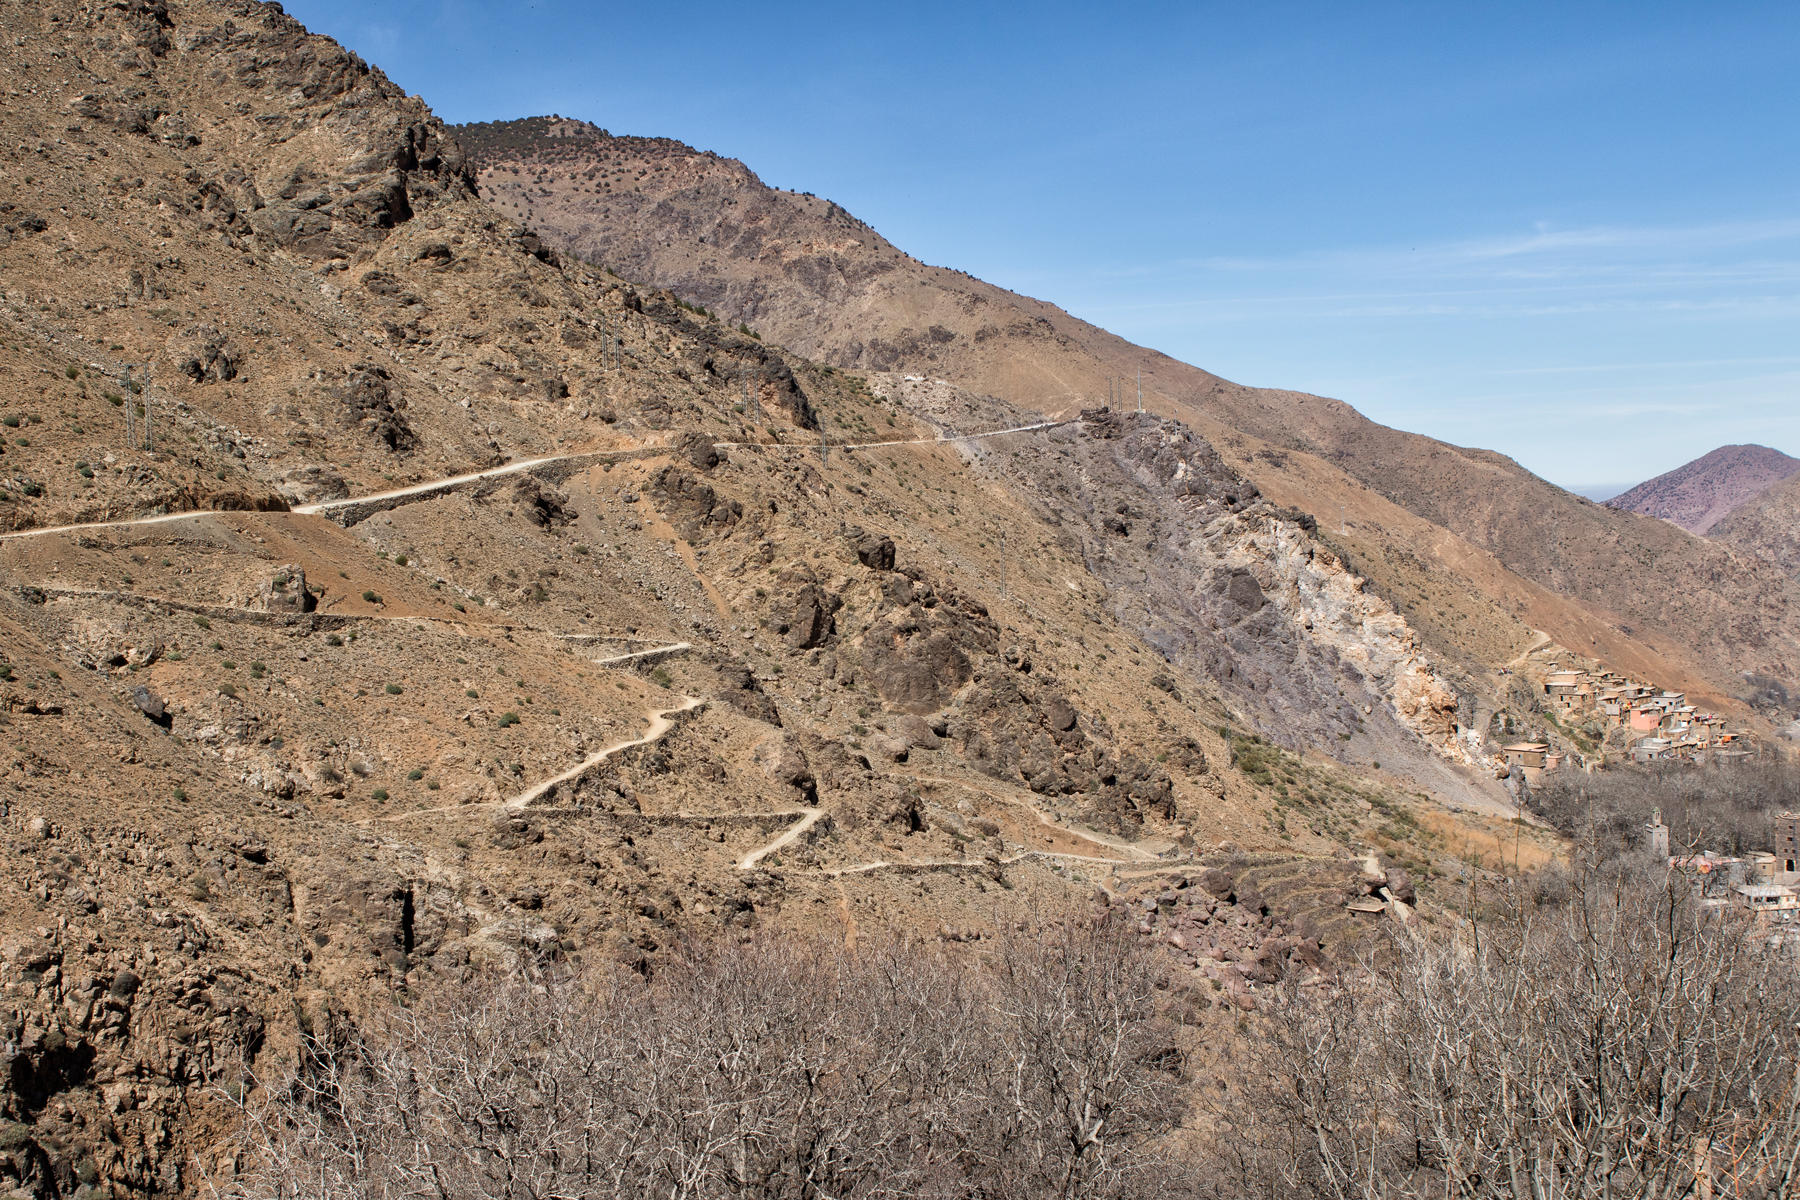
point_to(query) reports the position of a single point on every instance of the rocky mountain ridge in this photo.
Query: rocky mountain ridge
(803, 272)
(1700, 494)
(449, 604)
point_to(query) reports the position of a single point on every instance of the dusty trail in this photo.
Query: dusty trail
(1043, 818)
(434, 486)
(164, 519)
(1543, 639)
(660, 723)
(941, 439)
(930, 864)
(655, 652)
(808, 818)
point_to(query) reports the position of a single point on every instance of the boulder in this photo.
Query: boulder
(915, 731)
(781, 759)
(887, 747)
(812, 622)
(1400, 885)
(699, 450)
(1059, 714)
(152, 706)
(285, 591)
(875, 552)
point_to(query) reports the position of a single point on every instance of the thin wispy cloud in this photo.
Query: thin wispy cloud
(1447, 255)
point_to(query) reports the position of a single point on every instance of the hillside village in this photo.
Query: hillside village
(1764, 884)
(1597, 717)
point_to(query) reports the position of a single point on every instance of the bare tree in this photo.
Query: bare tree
(781, 1068)
(1631, 1043)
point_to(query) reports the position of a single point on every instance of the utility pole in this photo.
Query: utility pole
(130, 403)
(824, 446)
(1003, 564)
(1140, 389)
(149, 443)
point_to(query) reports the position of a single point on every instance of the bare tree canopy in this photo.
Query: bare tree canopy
(1725, 807)
(1630, 1043)
(1623, 1041)
(777, 1069)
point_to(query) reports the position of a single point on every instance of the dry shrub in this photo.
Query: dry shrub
(781, 1068)
(1626, 1043)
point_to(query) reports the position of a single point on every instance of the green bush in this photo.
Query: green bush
(508, 718)
(415, 774)
(394, 689)
(371, 598)
(380, 795)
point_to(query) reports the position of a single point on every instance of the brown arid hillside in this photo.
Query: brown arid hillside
(386, 596)
(1700, 494)
(1478, 554)
(1766, 526)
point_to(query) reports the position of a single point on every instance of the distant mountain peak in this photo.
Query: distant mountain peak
(1701, 493)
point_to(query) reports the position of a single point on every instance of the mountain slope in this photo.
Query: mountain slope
(1766, 526)
(425, 602)
(1697, 495)
(805, 273)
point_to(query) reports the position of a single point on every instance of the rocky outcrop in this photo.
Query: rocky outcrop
(1221, 924)
(372, 400)
(872, 549)
(693, 507)
(285, 591)
(812, 623)
(1236, 589)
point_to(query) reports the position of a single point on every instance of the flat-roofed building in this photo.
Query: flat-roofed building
(1769, 903)
(1525, 754)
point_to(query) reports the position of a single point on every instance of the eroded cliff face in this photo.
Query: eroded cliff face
(1232, 590)
(1313, 592)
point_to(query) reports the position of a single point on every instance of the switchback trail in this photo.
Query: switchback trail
(660, 723)
(808, 818)
(1043, 818)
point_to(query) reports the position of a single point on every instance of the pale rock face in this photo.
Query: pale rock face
(1333, 607)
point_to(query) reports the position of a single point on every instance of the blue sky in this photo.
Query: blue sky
(1569, 232)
